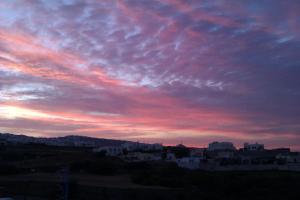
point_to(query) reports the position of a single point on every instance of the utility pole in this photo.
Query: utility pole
(64, 186)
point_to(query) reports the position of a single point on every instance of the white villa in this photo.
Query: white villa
(110, 150)
(221, 146)
(139, 156)
(289, 158)
(129, 146)
(254, 147)
(135, 146)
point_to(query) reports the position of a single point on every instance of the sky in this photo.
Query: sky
(168, 71)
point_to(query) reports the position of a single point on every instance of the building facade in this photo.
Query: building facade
(254, 147)
(221, 146)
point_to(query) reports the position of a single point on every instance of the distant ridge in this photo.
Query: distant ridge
(70, 140)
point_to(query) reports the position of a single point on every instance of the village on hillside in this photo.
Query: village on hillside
(217, 156)
(94, 168)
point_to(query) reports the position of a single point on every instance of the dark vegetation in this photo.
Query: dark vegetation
(225, 185)
(34, 159)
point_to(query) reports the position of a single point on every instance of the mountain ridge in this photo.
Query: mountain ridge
(68, 140)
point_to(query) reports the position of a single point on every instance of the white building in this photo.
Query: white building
(110, 150)
(225, 154)
(254, 147)
(289, 158)
(170, 157)
(156, 147)
(189, 162)
(139, 156)
(221, 146)
(197, 152)
(137, 146)
(130, 146)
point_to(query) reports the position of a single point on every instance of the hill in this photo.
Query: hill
(71, 140)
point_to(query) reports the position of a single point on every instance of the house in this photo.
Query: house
(197, 152)
(189, 162)
(280, 150)
(253, 147)
(131, 146)
(157, 147)
(137, 146)
(170, 157)
(110, 150)
(225, 154)
(293, 157)
(139, 157)
(216, 146)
